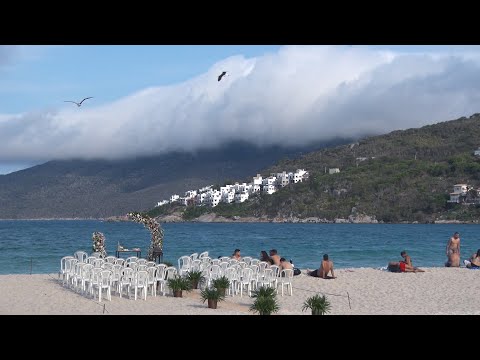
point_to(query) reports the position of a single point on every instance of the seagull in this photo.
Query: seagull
(222, 75)
(79, 103)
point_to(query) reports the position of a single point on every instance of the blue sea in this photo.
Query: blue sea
(36, 246)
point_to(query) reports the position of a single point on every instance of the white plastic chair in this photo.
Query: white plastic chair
(170, 273)
(254, 262)
(104, 282)
(194, 256)
(140, 282)
(86, 275)
(160, 277)
(150, 264)
(126, 280)
(246, 280)
(81, 256)
(203, 254)
(111, 259)
(267, 280)
(62, 272)
(98, 262)
(247, 259)
(120, 261)
(184, 264)
(152, 279)
(285, 279)
(142, 261)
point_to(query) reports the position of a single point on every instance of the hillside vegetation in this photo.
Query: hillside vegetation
(406, 176)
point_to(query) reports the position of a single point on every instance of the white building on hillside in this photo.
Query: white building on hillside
(477, 152)
(255, 189)
(283, 179)
(163, 202)
(333, 170)
(257, 180)
(269, 189)
(459, 190)
(174, 198)
(241, 196)
(228, 197)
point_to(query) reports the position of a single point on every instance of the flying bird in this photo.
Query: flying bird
(79, 103)
(222, 75)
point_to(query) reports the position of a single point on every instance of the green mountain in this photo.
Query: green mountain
(401, 176)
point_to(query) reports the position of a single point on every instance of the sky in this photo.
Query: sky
(152, 99)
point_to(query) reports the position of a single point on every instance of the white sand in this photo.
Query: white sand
(437, 291)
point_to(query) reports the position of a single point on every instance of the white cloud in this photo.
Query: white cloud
(297, 95)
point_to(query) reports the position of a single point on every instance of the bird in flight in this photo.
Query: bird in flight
(222, 75)
(79, 103)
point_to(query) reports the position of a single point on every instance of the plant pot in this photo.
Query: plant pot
(316, 312)
(264, 313)
(212, 304)
(221, 291)
(177, 293)
(194, 284)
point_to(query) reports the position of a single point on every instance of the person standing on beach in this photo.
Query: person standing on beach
(453, 251)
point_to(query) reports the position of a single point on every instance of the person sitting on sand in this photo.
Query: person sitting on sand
(404, 265)
(326, 266)
(474, 262)
(275, 257)
(264, 257)
(284, 264)
(236, 255)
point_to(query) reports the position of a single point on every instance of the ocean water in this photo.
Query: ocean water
(37, 246)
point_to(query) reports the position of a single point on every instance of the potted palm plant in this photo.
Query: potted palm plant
(195, 278)
(318, 304)
(222, 284)
(178, 284)
(265, 301)
(213, 296)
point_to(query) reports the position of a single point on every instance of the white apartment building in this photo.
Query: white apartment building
(213, 198)
(283, 179)
(257, 180)
(190, 193)
(239, 192)
(477, 152)
(228, 197)
(254, 189)
(241, 196)
(333, 171)
(271, 180)
(200, 198)
(269, 189)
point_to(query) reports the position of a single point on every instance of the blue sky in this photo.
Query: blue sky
(149, 99)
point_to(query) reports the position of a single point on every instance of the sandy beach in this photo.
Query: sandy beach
(354, 292)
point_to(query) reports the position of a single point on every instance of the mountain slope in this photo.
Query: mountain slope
(401, 176)
(101, 188)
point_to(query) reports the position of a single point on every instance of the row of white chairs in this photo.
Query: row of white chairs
(83, 276)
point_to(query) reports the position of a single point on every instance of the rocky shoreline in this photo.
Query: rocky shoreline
(213, 218)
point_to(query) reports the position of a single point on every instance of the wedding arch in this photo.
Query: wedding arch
(155, 230)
